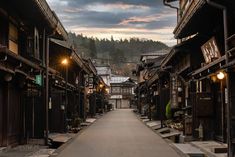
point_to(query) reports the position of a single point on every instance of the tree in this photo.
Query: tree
(114, 51)
(92, 48)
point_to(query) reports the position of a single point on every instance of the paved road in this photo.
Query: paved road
(118, 134)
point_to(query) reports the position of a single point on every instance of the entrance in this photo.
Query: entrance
(34, 113)
(219, 95)
(125, 103)
(209, 109)
(10, 115)
(57, 114)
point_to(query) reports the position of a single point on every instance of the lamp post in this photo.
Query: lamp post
(65, 63)
(221, 76)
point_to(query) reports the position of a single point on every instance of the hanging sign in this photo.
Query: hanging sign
(210, 50)
(174, 92)
(91, 81)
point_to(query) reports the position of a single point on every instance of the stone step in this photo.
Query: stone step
(189, 150)
(153, 123)
(167, 135)
(2, 149)
(143, 117)
(145, 120)
(208, 148)
(157, 127)
(85, 124)
(163, 130)
(90, 120)
(219, 149)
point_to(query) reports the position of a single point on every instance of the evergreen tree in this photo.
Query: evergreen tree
(92, 47)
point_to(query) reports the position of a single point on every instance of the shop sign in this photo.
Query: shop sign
(38, 79)
(210, 50)
(226, 95)
(91, 82)
(174, 92)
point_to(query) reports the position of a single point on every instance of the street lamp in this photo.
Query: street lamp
(107, 90)
(101, 86)
(220, 75)
(65, 62)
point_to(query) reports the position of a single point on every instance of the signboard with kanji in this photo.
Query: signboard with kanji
(210, 50)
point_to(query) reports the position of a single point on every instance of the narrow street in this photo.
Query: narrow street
(118, 134)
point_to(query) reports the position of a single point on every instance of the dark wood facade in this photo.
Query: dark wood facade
(22, 60)
(211, 95)
(76, 72)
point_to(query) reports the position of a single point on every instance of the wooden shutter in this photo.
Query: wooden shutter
(13, 38)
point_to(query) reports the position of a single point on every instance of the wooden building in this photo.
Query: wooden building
(122, 92)
(23, 40)
(147, 76)
(67, 86)
(182, 60)
(157, 90)
(212, 96)
(92, 85)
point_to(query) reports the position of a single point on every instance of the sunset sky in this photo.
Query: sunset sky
(148, 19)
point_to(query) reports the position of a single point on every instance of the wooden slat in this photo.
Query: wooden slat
(231, 37)
(221, 59)
(190, 11)
(7, 52)
(52, 18)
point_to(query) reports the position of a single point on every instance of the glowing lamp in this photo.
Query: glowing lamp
(107, 90)
(64, 62)
(101, 85)
(220, 75)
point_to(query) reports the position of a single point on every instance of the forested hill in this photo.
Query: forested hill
(121, 54)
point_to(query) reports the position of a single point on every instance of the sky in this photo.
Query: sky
(122, 19)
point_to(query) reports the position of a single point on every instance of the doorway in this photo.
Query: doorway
(219, 103)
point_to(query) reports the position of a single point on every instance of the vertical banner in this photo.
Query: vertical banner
(174, 92)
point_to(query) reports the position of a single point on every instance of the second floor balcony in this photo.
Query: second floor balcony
(196, 16)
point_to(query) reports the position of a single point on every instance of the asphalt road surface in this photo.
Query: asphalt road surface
(118, 134)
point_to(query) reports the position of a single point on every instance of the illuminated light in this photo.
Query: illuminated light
(180, 89)
(64, 62)
(214, 78)
(220, 75)
(107, 90)
(101, 85)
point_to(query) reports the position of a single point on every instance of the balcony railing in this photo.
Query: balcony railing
(186, 13)
(231, 45)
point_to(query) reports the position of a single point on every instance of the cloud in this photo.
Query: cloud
(70, 10)
(82, 3)
(121, 18)
(116, 7)
(146, 19)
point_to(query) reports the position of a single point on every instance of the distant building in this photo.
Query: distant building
(105, 73)
(122, 91)
(149, 61)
